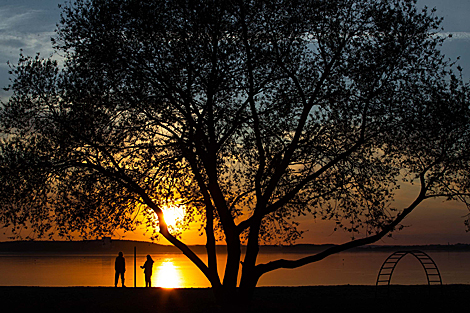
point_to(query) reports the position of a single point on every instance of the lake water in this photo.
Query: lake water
(176, 271)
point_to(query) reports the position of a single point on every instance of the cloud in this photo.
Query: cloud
(10, 45)
(26, 20)
(30, 43)
(451, 36)
(11, 20)
(27, 29)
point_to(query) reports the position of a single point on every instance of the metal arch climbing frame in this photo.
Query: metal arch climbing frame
(432, 272)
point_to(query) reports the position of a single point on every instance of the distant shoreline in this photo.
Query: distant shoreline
(345, 298)
(127, 246)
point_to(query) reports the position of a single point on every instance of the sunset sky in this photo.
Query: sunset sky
(29, 24)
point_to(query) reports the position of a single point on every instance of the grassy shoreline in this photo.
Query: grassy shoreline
(344, 298)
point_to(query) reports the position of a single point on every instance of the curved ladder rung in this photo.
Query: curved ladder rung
(426, 261)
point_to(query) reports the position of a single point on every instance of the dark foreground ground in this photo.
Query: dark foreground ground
(447, 298)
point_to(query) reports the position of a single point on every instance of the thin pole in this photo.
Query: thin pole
(135, 266)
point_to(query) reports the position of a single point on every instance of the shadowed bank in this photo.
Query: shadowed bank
(415, 298)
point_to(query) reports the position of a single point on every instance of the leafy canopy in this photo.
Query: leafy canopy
(248, 113)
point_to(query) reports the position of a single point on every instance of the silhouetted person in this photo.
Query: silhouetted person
(120, 267)
(148, 267)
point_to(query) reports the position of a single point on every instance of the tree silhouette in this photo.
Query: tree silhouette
(249, 113)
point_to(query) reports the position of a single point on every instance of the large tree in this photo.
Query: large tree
(248, 113)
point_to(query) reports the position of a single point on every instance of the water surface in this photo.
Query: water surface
(174, 270)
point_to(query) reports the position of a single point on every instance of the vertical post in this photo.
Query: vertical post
(135, 266)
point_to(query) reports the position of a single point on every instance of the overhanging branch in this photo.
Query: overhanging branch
(282, 263)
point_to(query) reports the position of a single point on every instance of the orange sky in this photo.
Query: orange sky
(433, 222)
(31, 23)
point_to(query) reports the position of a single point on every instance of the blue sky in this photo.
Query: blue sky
(29, 25)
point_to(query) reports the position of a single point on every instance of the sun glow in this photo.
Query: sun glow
(167, 275)
(173, 215)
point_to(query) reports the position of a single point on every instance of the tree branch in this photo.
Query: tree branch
(267, 267)
(275, 206)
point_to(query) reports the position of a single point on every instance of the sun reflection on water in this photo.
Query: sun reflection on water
(166, 275)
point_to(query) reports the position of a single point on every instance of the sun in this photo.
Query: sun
(167, 275)
(173, 215)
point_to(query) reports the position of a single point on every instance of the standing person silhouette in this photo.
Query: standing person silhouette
(148, 267)
(120, 267)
